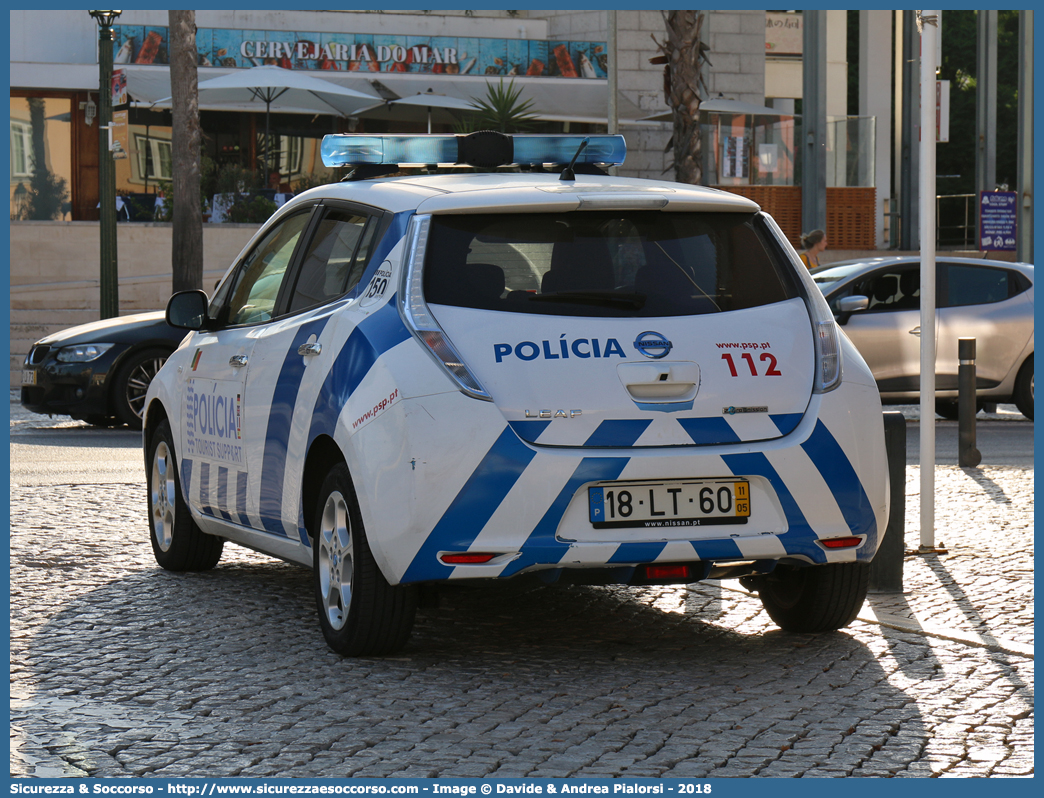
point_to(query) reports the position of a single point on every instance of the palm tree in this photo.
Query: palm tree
(501, 110)
(683, 55)
(186, 141)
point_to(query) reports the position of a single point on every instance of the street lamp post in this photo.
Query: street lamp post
(109, 275)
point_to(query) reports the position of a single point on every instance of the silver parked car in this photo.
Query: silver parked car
(877, 303)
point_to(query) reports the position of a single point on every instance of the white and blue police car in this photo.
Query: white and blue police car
(517, 368)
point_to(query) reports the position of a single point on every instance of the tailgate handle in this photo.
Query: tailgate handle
(660, 382)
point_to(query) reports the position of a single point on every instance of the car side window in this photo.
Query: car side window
(255, 286)
(975, 285)
(335, 259)
(894, 289)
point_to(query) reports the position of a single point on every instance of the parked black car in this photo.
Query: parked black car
(98, 372)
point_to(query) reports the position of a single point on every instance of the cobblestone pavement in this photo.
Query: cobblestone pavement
(121, 669)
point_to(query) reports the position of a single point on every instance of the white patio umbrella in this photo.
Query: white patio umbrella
(721, 105)
(287, 89)
(425, 99)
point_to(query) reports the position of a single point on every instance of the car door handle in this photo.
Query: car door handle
(237, 361)
(311, 349)
(916, 330)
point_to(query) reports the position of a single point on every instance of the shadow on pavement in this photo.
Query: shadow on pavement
(225, 673)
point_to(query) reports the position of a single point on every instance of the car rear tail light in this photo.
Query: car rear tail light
(655, 572)
(841, 543)
(467, 558)
(418, 318)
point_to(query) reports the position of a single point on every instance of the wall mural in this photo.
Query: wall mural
(143, 44)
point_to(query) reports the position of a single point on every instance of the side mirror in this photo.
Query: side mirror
(849, 305)
(188, 310)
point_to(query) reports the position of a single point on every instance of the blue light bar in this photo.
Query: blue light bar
(537, 149)
(477, 149)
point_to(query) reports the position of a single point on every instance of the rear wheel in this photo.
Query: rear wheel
(359, 612)
(1024, 389)
(818, 598)
(177, 543)
(132, 383)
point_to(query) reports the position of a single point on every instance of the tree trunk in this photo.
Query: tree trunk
(683, 77)
(186, 139)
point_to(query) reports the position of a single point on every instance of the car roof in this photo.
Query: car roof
(521, 191)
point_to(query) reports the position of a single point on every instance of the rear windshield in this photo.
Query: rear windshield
(619, 263)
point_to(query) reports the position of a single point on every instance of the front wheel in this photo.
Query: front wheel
(819, 598)
(132, 383)
(177, 543)
(359, 612)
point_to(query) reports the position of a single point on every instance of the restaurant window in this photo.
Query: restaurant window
(154, 158)
(40, 157)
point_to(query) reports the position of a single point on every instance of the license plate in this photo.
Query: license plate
(28, 376)
(669, 504)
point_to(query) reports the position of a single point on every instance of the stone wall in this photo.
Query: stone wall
(55, 267)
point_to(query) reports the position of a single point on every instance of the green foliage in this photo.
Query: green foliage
(245, 185)
(308, 181)
(959, 65)
(47, 196)
(251, 209)
(501, 110)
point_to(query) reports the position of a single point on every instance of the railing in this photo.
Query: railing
(958, 226)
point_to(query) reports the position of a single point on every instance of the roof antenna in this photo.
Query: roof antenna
(567, 173)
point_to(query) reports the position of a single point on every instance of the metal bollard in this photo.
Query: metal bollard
(886, 569)
(967, 455)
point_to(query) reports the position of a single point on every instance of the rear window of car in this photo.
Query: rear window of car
(981, 285)
(624, 263)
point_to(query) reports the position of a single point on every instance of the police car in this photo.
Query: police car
(517, 368)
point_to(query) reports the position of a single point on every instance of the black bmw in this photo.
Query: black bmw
(98, 372)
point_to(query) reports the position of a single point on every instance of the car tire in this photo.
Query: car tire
(819, 598)
(1023, 396)
(359, 612)
(132, 382)
(177, 543)
(947, 408)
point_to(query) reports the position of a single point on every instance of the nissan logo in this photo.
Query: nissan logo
(653, 344)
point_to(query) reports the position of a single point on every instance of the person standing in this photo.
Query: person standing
(813, 243)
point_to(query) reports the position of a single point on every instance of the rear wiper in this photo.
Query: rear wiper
(605, 298)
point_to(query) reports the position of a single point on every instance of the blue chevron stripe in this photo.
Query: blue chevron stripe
(530, 429)
(541, 546)
(280, 414)
(376, 334)
(186, 479)
(473, 506)
(222, 491)
(708, 431)
(787, 422)
(828, 456)
(798, 539)
(617, 434)
(638, 552)
(204, 488)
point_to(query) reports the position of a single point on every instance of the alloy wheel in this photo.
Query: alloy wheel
(161, 495)
(336, 567)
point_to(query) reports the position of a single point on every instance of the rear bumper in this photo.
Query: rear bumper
(483, 489)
